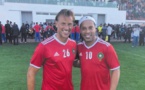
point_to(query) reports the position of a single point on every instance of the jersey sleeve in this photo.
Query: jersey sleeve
(38, 56)
(112, 58)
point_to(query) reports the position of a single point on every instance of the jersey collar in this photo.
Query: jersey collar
(59, 40)
(88, 47)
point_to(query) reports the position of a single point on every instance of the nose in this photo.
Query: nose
(87, 30)
(66, 27)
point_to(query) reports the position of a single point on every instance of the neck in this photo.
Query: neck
(61, 38)
(89, 43)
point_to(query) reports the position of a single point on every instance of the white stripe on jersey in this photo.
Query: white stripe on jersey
(59, 40)
(34, 66)
(88, 47)
(71, 40)
(48, 40)
(115, 68)
(80, 43)
(104, 42)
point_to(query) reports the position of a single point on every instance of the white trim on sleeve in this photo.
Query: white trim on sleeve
(115, 68)
(34, 66)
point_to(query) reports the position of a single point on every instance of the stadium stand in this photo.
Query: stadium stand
(135, 9)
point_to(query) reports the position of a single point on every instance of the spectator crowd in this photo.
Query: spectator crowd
(131, 33)
(10, 33)
(135, 9)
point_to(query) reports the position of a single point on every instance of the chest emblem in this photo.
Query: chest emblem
(100, 56)
(56, 54)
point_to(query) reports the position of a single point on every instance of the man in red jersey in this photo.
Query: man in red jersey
(56, 55)
(37, 32)
(77, 29)
(97, 58)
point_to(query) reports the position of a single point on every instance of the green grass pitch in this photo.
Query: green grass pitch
(14, 62)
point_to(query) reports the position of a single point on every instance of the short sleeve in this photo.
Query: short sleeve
(112, 58)
(38, 56)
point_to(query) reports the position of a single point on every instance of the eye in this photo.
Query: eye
(90, 27)
(70, 24)
(62, 24)
(83, 28)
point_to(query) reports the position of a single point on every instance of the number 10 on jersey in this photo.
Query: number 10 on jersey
(89, 55)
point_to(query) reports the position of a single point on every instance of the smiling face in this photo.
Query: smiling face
(64, 26)
(64, 23)
(88, 31)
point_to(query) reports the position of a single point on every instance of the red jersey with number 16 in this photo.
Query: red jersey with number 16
(96, 63)
(57, 60)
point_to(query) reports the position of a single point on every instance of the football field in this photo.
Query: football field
(14, 62)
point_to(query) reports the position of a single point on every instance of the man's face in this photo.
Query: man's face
(88, 31)
(64, 26)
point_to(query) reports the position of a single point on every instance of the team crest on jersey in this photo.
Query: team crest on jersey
(73, 51)
(100, 56)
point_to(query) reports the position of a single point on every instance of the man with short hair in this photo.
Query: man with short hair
(136, 32)
(56, 55)
(15, 33)
(3, 33)
(8, 32)
(37, 32)
(97, 59)
(109, 32)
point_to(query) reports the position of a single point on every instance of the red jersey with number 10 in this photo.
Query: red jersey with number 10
(96, 63)
(57, 60)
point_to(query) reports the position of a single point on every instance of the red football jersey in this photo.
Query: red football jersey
(73, 30)
(77, 29)
(37, 28)
(96, 63)
(57, 60)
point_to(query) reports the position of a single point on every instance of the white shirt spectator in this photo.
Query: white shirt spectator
(109, 30)
(136, 32)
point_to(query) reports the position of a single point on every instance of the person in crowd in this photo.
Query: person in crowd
(50, 30)
(72, 35)
(0, 33)
(109, 31)
(15, 33)
(8, 30)
(77, 33)
(27, 25)
(104, 31)
(141, 37)
(37, 32)
(44, 31)
(54, 26)
(128, 32)
(100, 30)
(136, 32)
(23, 32)
(3, 33)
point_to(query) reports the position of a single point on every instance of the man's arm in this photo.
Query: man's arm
(31, 77)
(115, 75)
